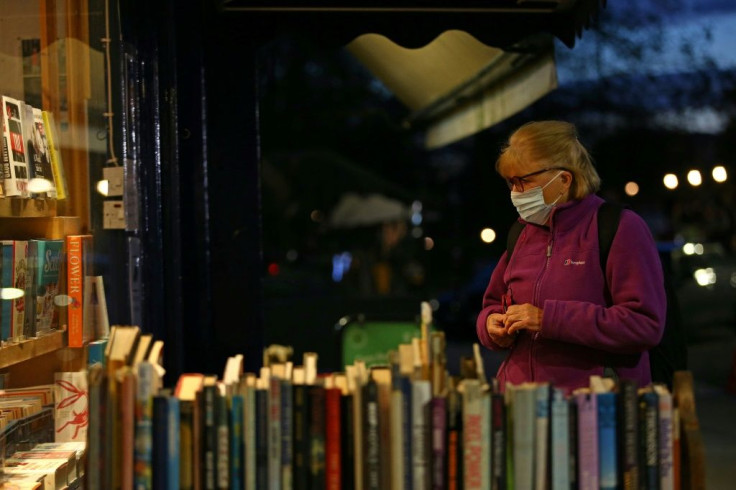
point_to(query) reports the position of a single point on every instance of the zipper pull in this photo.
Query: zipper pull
(549, 250)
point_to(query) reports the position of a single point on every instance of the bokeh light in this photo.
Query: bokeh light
(670, 181)
(694, 178)
(488, 235)
(631, 188)
(719, 173)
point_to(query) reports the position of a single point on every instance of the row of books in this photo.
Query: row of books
(406, 424)
(31, 160)
(46, 466)
(50, 284)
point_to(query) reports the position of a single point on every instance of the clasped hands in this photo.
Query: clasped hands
(504, 327)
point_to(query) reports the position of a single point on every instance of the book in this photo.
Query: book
(628, 427)
(261, 452)
(333, 438)
(438, 410)
(541, 437)
(421, 394)
(607, 441)
(41, 178)
(523, 403)
(236, 402)
(146, 389)
(126, 380)
(97, 428)
(6, 284)
(166, 442)
(222, 431)
(274, 432)
(300, 442)
(29, 294)
(14, 157)
(454, 439)
(78, 266)
(209, 433)
(47, 266)
(71, 412)
(648, 438)
(316, 394)
(559, 440)
(587, 436)
(15, 277)
(665, 437)
(371, 436)
(188, 385)
(57, 165)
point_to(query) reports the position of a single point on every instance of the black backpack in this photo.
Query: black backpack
(670, 354)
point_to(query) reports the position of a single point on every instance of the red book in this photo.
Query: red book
(78, 259)
(332, 438)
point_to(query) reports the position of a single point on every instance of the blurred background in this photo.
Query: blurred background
(360, 217)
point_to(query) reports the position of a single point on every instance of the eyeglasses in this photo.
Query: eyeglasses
(520, 181)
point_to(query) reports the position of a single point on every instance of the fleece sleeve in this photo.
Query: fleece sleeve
(635, 320)
(491, 303)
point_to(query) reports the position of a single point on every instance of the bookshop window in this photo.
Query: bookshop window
(358, 217)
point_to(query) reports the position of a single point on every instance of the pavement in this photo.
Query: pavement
(710, 359)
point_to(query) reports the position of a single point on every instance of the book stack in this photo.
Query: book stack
(406, 424)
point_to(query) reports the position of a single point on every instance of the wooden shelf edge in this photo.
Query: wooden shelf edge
(52, 228)
(28, 349)
(16, 207)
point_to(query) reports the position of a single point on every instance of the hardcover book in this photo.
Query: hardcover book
(47, 266)
(15, 278)
(78, 266)
(523, 406)
(587, 432)
(628, 429)
(57, 165)
(41, 179)
(649, 438)
(71, 412)
(559, 440)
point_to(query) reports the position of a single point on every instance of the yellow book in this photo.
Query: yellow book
(57, 165)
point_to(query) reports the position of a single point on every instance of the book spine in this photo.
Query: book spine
(15, 164)
(35, 247)
(421, 395)
(57, 166)
(347, 426)
(397, 440)
(222, 427)
(274, 433)
(587, 459)
(317, 436)
(472, 435)
(173, 443)
(74, 285)
(20, 277)
(186, 436)
(6, 278)
(541, 437)
(629, 439)
(666, 461)
(333, 438)
(144, 426)
(287, 435)
(560, 450)
(209, 438)
(236, 441)
(648, 440)
(439, 443)
(371, 437)
(262, 430)
(524, 421)
(607, 442)
(301, 437)
(454, 440)
(250, 438)
(405, 385)
(498, 442)
(572, 425)
(127, 425)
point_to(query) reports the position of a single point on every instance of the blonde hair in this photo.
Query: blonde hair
(552, 144)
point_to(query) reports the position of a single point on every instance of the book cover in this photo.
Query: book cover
(287, 433)
(300, 440)
(628, 427)
(587, 450)
(29, 320)
(71, 411)
(222, 428)
(648, 438)
(57, 165)
(249, 428)
(559, 440)
(15, 277)
(96, 428)
(572, 407)
(274, 433)
(607, 441)
(41, 178)
(126, 379)
(262, 476)
(6, 283)
(382, 376)
(78, 265)
(405, 386)
(209, 434)
(47, 268)
(347, 426)
(14, 158)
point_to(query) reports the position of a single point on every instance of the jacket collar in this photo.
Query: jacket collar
(565, 216)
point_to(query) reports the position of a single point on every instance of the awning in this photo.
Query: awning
(456, 86)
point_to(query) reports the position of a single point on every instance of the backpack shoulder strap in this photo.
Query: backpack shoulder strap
(609, 215)
(513, 236)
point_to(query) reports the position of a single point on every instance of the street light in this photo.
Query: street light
(694, 178)
(719, 173)
(670, 181)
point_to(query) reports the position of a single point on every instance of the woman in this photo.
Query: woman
(547, 303)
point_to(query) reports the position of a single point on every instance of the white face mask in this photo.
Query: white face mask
(530, 203)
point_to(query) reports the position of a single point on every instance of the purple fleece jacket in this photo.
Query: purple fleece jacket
(557, 268)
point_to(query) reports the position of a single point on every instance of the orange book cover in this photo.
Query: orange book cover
(78, 258)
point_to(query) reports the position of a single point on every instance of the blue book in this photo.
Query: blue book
(166, 442)
(45, 260)
(143, 451)
(236, 441)
(649, 438)
(6, 281)
(607, 443)
(560, 441)
(541, 436)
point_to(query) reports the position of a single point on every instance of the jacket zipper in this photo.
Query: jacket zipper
(535, 335)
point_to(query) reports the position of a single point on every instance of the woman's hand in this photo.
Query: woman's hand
(522, 317)
(497, 331)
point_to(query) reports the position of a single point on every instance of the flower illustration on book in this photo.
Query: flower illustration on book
(78, 419)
